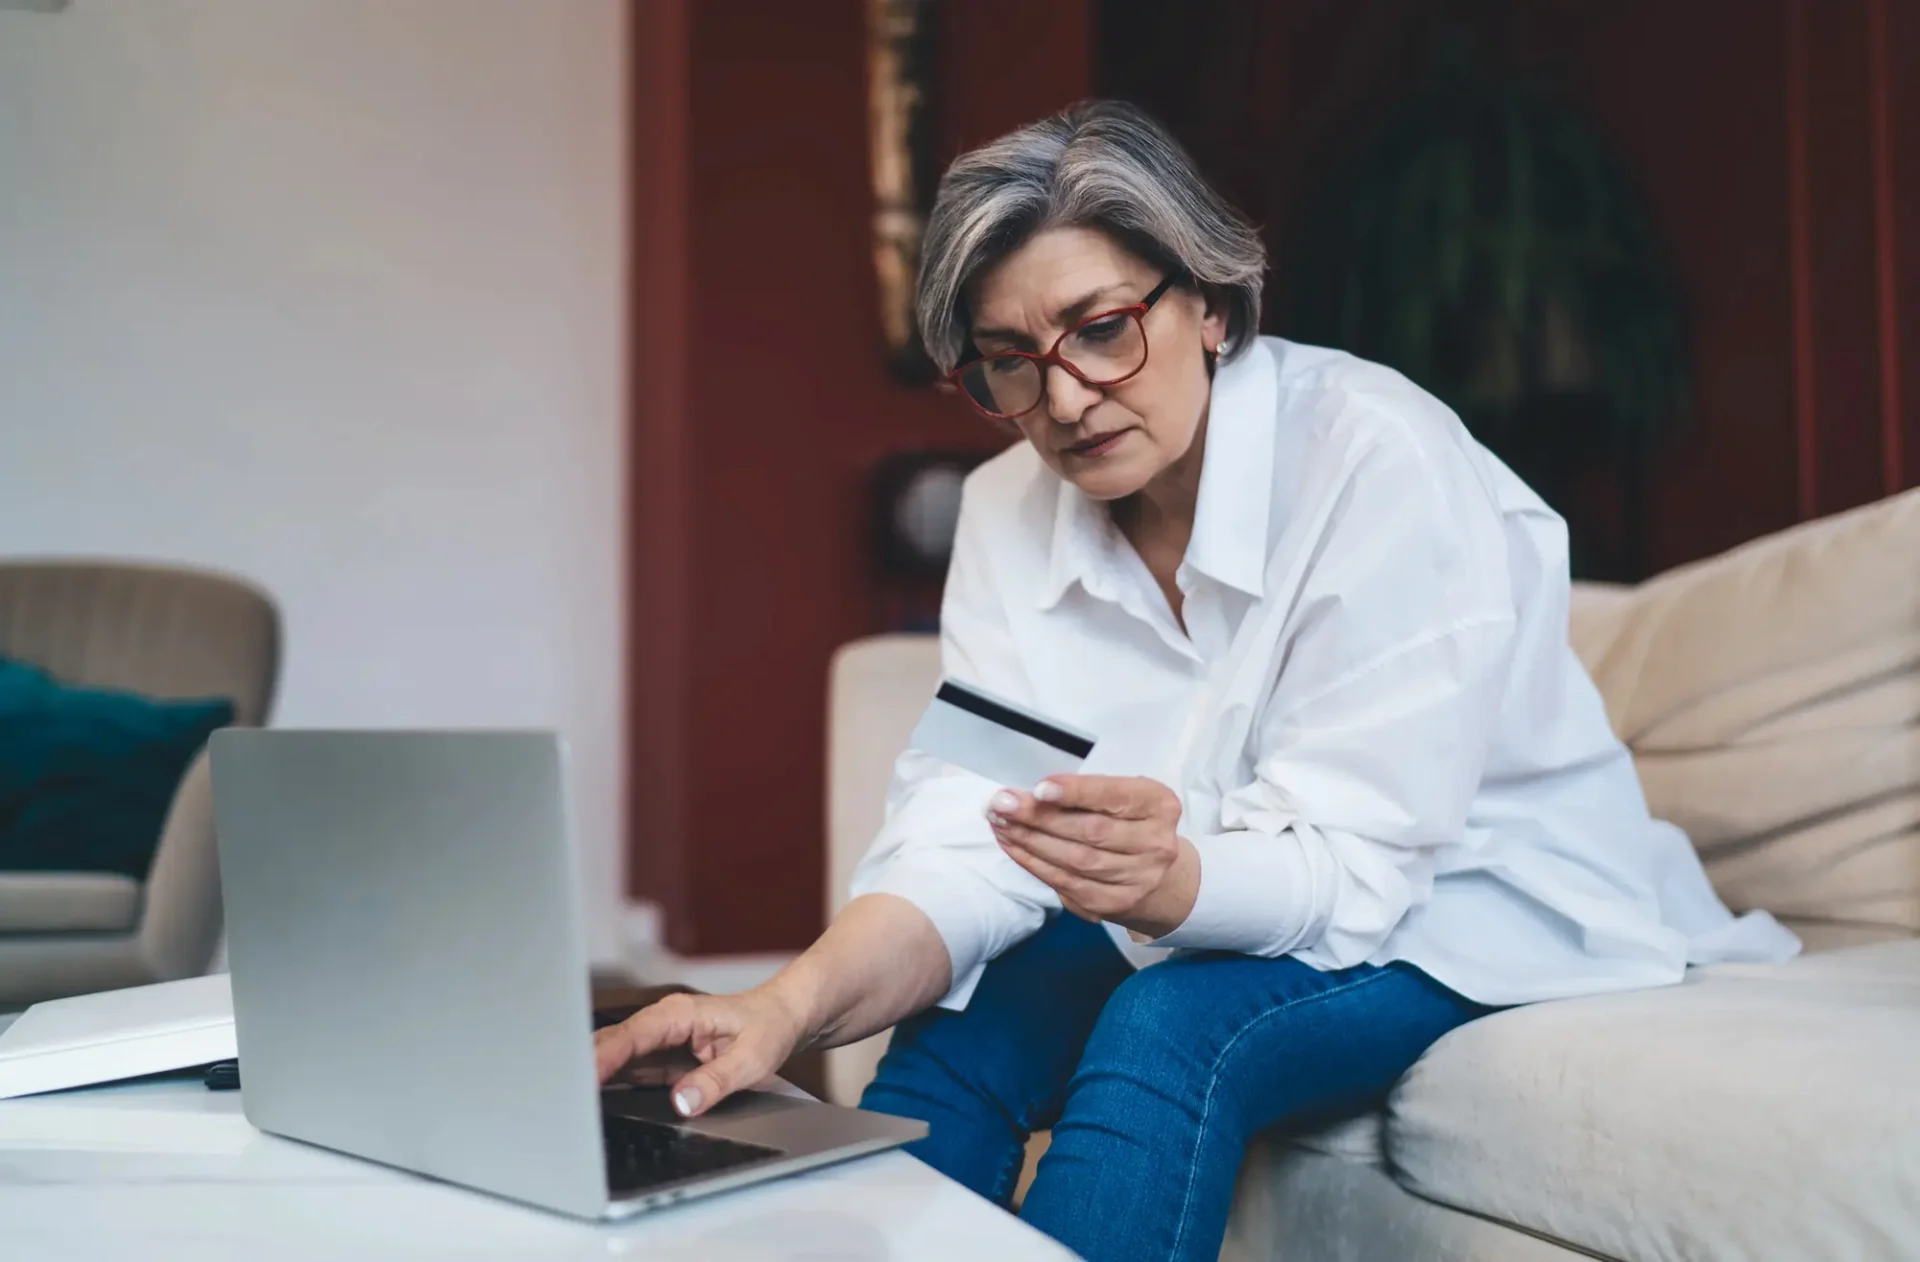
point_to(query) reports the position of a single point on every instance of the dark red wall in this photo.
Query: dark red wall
(1754, 127)
(761, 402)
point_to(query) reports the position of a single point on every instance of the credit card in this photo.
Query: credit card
(996, 738)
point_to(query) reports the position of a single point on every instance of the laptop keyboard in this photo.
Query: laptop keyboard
(642, 1155)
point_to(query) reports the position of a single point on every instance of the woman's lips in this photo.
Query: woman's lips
(1098, 445)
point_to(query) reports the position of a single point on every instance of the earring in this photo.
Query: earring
(1220, 349)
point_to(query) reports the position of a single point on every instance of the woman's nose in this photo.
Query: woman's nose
(1068, 397)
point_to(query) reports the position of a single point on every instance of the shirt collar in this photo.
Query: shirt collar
(1230, 521)
(1229, 543)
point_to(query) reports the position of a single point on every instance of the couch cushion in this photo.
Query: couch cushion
(1362, 1139)
(1771, 697)
(1786, 601)
(68, 902)
(1828, 935)
(1752, 1111)
(1295, 1205)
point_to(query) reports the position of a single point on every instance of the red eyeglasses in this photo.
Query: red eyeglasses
(1101, 350)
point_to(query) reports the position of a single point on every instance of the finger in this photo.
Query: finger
(1124, 797)
(666, 1024)
(1091, 917)
(747, 1062)
(1081, 860)
(1089, 828)
(1094, 828)
(1078, 895)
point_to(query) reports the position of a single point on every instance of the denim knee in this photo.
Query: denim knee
(1150, 1030)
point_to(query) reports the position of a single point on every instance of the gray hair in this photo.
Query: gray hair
(1099, 164)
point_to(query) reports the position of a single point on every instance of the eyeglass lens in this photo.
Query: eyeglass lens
(1104, 350)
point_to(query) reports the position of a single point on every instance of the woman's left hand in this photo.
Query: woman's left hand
(1108, 845)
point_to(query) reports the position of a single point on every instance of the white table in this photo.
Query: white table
(168, 1169)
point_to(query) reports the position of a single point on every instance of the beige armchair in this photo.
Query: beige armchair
(166, 633)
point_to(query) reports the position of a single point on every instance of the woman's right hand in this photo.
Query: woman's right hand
(740, 1041)
(880, 960)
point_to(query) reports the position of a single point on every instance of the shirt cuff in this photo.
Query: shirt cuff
(946, 901)
(1254, 896)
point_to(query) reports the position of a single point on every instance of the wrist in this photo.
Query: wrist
(795, 992)
(1171, 902)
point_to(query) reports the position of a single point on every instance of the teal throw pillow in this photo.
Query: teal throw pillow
(87, 774)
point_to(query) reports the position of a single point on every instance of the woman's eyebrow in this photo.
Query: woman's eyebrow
(1070, 314)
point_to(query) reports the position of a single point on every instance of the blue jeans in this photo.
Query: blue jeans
(1152, 1082)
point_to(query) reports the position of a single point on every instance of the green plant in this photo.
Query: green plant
(1488, 244)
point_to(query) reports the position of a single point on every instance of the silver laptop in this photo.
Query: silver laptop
(410, 980)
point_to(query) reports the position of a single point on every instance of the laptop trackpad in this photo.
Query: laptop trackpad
(762, 1117)
(655, 1104)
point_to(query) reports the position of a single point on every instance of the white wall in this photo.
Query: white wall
(328, 293)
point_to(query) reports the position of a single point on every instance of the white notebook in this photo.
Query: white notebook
(117, 1034)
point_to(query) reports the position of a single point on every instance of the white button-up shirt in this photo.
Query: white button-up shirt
(1384, 746)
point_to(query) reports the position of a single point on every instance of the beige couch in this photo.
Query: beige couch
(165, 633)
(1772, 700)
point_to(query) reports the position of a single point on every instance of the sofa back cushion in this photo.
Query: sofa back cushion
(1771, 697)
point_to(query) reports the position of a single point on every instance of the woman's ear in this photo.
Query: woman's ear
(1213, 321)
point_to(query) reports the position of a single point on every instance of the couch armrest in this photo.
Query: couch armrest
(1597, 614)
(180, 918)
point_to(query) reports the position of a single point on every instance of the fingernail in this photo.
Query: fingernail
(686, 1100)
(1004, 803)
(1047, 791)
(996, 820)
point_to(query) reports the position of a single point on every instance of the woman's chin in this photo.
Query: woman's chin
(1104, 482)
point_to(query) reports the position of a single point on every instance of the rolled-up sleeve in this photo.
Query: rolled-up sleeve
(935, 849)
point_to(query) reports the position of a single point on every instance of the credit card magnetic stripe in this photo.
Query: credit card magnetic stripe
(1014, 720)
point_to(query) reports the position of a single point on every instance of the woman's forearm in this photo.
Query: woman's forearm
(881, 960)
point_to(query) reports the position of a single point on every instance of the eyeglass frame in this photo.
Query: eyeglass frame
(1138, 310)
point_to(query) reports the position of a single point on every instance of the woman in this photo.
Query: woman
(1360, 789)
